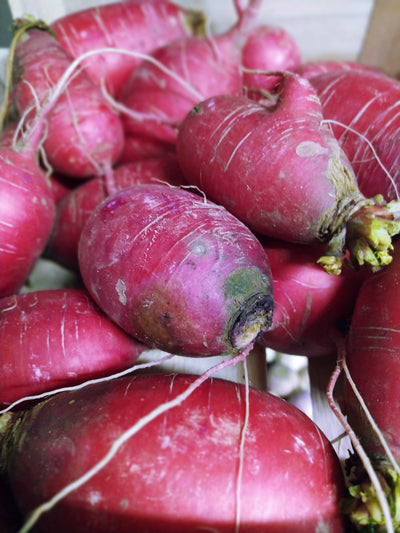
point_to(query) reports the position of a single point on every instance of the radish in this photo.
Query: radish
(74, 210)
(155, 101)
(222, 459)
(176, 271)
(27, 212)
(280, 170)
(312, 308)
(268, 48)
(138, 147)
(371, 385)
(362, 108)
(57, 337)
(309, 69)
(140, 26)
(84, 134)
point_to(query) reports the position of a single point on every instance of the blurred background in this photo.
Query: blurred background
(5, 22)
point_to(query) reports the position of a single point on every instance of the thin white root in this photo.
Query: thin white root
(134, 368)
(241, 450)
(70, 72)
(125, 436)
(357, 445)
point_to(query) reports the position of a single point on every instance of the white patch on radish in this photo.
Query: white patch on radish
(95, 497)
(310, 148)
(120, 287)
(323, 527)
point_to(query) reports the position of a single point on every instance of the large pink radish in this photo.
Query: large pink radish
(280, 170)
(204, 465)
(57, 337)
(176, 271)
(135, 26)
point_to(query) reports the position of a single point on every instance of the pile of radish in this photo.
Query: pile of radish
(211, 197)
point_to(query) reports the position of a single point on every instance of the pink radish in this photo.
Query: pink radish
(280, 170)
(176, 271)
(362, 108)
(27, 213)
(84, 134)
(268, 48)
(220, 460)
(372, 377)
(135, 25)
(157, 99)
(53, 338)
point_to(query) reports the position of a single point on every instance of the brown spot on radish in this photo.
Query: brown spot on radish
(196, 110)
(255, 312)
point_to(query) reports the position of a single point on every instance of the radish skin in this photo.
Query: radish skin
(315, 199)
(44, 350)
(312, 308)
(74, 210)
(156, 103)
(84, 134)
(27, 214)
(188, 457)
(138, 147)
(176, 271)
(361, 107)
(268, 48)
(373, 368)
(139, 26)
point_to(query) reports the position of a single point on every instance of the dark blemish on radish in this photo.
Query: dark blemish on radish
(255, 311)
(191, 264)
(197, 110)
(167, 319)
(243, 281)
(254, 316)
